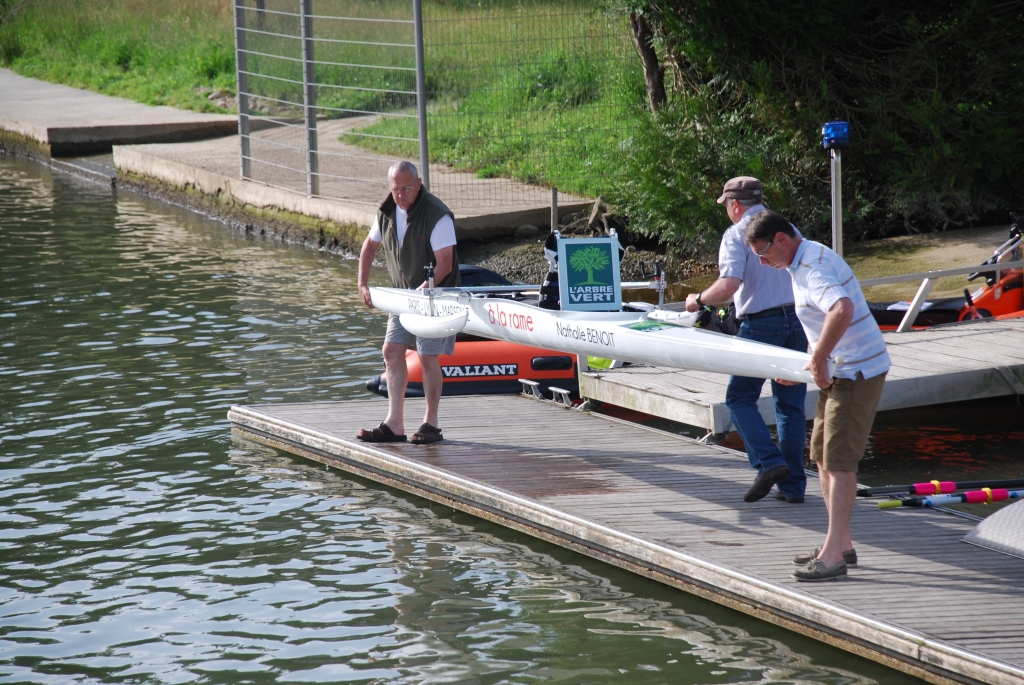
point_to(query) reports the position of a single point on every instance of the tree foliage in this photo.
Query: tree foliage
(933, 89)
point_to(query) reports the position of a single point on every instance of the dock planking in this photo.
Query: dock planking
(671, 509)
(943, 364)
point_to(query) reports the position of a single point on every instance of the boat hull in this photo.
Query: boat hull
(490, 367)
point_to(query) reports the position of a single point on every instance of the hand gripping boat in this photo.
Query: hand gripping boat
(659, 338)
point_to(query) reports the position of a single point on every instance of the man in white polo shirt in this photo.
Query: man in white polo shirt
(838, 323)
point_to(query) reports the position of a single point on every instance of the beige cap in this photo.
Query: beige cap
(743, 188)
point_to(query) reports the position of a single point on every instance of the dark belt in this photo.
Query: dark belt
(774, 311)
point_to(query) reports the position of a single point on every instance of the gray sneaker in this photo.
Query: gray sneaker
(816, 570)
(849, 556)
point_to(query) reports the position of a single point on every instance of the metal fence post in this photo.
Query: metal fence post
(837, 202)
(421, 91)
(554, 209)
(309, 100)
(241, 76)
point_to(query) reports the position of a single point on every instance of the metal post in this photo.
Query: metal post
(907, 323)
(837, 202)
(261, 13)
(243, 90)
(421, 91)
(554, 209)
(309, 100)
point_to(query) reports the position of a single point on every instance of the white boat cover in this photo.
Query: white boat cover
(1003, 531)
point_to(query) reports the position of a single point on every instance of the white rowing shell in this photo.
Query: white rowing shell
(626, 336)
(675, 318)
(433, 326)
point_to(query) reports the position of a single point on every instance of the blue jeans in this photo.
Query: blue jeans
(791, 422)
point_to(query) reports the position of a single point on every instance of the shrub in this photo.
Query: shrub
(213, 59)
(933, 89)
(11, 47)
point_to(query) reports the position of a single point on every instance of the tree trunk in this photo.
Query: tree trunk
(654, 73)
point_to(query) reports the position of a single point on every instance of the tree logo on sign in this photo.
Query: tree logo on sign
(589, 259)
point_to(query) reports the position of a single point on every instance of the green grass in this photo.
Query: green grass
(543, 91)
(158, 53)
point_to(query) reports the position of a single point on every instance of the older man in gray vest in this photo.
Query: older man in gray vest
(764, 305)
(417, 230)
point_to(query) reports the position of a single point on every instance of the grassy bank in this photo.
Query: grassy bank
(176, 53)
(924, 252)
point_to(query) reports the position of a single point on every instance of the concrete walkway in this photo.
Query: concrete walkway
(483, 207)
(184, 151)
(65, 121)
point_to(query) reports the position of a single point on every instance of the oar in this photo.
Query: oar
(939, 487)
(983, 496)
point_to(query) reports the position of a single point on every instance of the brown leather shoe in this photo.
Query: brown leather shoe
(764, 482)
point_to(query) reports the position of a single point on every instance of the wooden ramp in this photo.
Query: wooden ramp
(944, 364)
(671, 509)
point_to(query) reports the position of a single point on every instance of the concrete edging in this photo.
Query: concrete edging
(133, 160)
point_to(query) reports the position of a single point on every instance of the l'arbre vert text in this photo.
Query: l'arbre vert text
(592, 293)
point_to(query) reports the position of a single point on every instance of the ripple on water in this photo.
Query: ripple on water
(139, 542)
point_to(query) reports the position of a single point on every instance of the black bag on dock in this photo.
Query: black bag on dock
(719, 319)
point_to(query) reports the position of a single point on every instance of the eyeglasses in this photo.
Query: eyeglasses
(403, 189)
(760, 255)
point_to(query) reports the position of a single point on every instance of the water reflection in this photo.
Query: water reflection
(140, 543)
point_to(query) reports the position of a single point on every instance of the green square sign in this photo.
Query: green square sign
(588, 274)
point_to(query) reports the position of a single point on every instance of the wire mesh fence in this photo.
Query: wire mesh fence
(518, 95)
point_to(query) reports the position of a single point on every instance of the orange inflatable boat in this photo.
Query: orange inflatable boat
(488, 367)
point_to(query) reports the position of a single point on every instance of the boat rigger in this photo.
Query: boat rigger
(637, 337)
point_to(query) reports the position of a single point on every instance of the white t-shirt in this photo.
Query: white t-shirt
(441, 237)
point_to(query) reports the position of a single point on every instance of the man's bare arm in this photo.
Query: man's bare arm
(442, 264)
(836, 322)
(366, 255)
(719, 292)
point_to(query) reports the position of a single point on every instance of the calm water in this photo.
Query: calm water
(140, 543)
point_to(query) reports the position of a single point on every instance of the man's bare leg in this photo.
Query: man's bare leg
(842, 493)
(398, 379)
(823, 480)
(433, 382)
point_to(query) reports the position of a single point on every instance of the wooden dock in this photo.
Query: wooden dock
(671, 509)
(944, 364)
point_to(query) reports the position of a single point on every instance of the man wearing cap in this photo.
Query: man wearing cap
(764, 306)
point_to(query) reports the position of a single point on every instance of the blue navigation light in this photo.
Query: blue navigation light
(835, 135)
